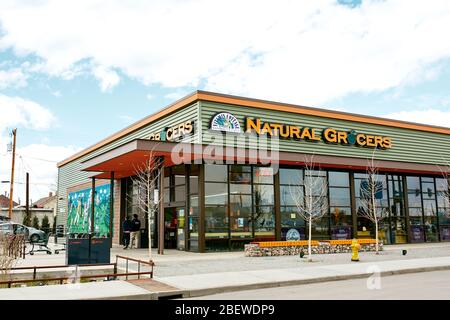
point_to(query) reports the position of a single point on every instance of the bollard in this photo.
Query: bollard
(302, 254)
(355, 250)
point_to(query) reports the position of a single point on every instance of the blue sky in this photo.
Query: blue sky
(74, 72)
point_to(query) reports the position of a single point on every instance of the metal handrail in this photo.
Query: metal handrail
(62, 266)
(139, 262)
(108, 275)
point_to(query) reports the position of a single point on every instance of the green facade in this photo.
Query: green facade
(70, 174)
(408, 145)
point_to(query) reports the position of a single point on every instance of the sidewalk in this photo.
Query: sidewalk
(210, 283)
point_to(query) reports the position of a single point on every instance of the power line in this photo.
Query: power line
(53, 161)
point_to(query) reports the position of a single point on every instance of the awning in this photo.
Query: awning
(126, 159)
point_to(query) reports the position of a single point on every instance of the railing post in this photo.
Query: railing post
(127, 271)
(34, 273)
(139, 270)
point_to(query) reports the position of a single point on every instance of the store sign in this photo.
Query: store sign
(293, 235)
(225, 122)
(328, 135)
(174, 133)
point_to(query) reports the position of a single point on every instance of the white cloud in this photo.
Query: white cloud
(17, 111)
(108, 78)
(428, 116)
(39, 160)
(150, 96)
(175, 95)
(305, 52)
(14, 77)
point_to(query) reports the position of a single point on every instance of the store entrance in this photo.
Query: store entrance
(174, 228)
(170, 228)
(397, 210)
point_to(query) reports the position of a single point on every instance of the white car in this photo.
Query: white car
(32, 234)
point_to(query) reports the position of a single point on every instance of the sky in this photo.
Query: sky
(74, 72)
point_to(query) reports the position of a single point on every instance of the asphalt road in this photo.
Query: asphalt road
(424, 285)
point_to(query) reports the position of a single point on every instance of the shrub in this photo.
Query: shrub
(35, 223)
(45, 224)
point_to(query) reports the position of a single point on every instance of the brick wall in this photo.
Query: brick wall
(117, 223)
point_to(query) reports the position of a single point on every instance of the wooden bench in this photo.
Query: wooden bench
(265, 244)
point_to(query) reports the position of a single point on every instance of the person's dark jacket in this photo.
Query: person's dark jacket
(127, 226)
(136, 225)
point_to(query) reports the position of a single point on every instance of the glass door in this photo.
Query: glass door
(181, 222)
(170, 228)
(397, 210)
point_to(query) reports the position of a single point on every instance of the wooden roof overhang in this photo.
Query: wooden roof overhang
(126, 159)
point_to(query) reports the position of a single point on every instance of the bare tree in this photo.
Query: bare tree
(310, 197)
(149, 195)
(11, 250)
(445, 171)
(369, 190)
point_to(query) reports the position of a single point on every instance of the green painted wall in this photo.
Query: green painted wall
(408, 145)
(71, 175)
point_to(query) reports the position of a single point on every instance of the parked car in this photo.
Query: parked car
(32, 234)
(35, 235)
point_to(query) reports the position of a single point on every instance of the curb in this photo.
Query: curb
(209, 291)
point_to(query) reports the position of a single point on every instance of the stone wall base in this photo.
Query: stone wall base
(254, 250)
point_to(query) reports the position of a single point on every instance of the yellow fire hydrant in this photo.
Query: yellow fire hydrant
(355, 250)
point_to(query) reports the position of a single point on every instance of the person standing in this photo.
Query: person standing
(135, 230)
(127, 227)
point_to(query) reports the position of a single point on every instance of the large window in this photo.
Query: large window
(363, 195)
(315, 183)
(291, 192)
(416, 233)
(429, 209)
(264, 203)
(397, 209)
(442, 191)
(216, 203)
(194, 211)
(241, 222)
(174, 184)
(340, 205)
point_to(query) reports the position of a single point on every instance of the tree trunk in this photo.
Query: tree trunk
(376, 236)
(149, 217)
(309, 238)
(375, 219)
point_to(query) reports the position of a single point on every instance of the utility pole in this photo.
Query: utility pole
(14, 133)
(27, 200)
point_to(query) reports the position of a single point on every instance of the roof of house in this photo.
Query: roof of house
(41, 203)
(4, 202)
(259, 104)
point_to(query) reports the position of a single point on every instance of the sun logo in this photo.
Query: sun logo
(225, 122)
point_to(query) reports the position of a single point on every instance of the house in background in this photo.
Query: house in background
(4, 202)
(43, 207)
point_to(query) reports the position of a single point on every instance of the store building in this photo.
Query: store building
(231, 163)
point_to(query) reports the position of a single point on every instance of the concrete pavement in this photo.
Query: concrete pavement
(434, 285)
(206, 284)
(194, 274)
(118, 290)
(213, 283)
